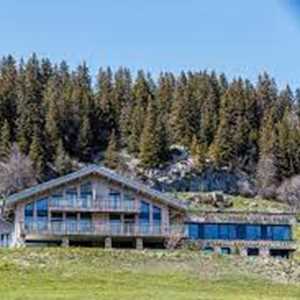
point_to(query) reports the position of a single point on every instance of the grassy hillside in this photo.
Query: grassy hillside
(47, 274)
(238, 203)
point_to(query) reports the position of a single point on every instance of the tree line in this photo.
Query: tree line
(55, 115)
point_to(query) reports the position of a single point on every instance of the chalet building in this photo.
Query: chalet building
(98, 207)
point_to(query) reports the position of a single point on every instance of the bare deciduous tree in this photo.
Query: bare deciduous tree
(175, 239)
(16, 173)
(266, 177)
(289, 191)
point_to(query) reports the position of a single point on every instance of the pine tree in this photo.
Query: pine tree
(62, 162)
(199, 154)
(182, 112)
(106, 113)
(153, 140)
(53, 102)
(5, 141)
(136, 126)
(8, 92)
(30, 109)
(227, 140)
(112, 159)
(37, 153)
(85, 141)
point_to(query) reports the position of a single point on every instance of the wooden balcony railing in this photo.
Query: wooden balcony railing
(89, 228)
(93, 205)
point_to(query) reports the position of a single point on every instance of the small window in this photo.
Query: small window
(209, 250)
(225, 250)
(280, 253)
(253, 252)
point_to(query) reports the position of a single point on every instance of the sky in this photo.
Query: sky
(233, 36)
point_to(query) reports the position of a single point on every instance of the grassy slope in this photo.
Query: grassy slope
(33, 274)
(239, 204)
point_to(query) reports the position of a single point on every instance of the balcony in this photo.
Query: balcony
(88, 204)
(88, 228)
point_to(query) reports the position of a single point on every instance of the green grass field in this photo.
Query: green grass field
(88, 274)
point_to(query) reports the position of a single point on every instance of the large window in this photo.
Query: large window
(193, 231)
(115, 223)
(278, 232)
(29, 214)
(115, 199)
(249, 232)
(42, 213)
(210, 231)
(156, 211)
(144, 216)
(57, 199)
(128, 201)
(227, 232)
(253, 232)
(71, 196)
(86, 194)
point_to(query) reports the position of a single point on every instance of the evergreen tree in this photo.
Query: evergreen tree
(106, 113)
(30, 110)
(85, 140)
(37, 154)
(5, 141)
(199, 154)
(53, 102)
(112, 159)
(153, 144)
(136, 128)
(62, 162)
(8, 92)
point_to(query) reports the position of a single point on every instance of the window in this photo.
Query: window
(225, 250)
(42, 214)
(115, 199)
(86, 194)
(56, 221)
(156, 215)
(85, 222)
(71, 222)
(128, 201)
(253, 232)
(57, 200)
(29, 212)
(42, 208)
(280, 253)
(227, 232)
(193, 231)
(71, 196)
(144, 216)
(210, 231)
(252, 251)
(115, 223)
(278, 232)
(250, 232)
(209, 250)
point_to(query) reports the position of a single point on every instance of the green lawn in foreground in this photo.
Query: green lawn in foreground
(87, 274)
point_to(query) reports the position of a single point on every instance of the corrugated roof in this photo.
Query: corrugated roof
(102, 171)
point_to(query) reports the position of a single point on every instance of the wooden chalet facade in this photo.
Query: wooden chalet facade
(98, 207)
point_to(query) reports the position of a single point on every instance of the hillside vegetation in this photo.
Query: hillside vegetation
(76, 274)
(58, 119)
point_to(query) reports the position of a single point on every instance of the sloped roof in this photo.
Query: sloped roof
(102, 171)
